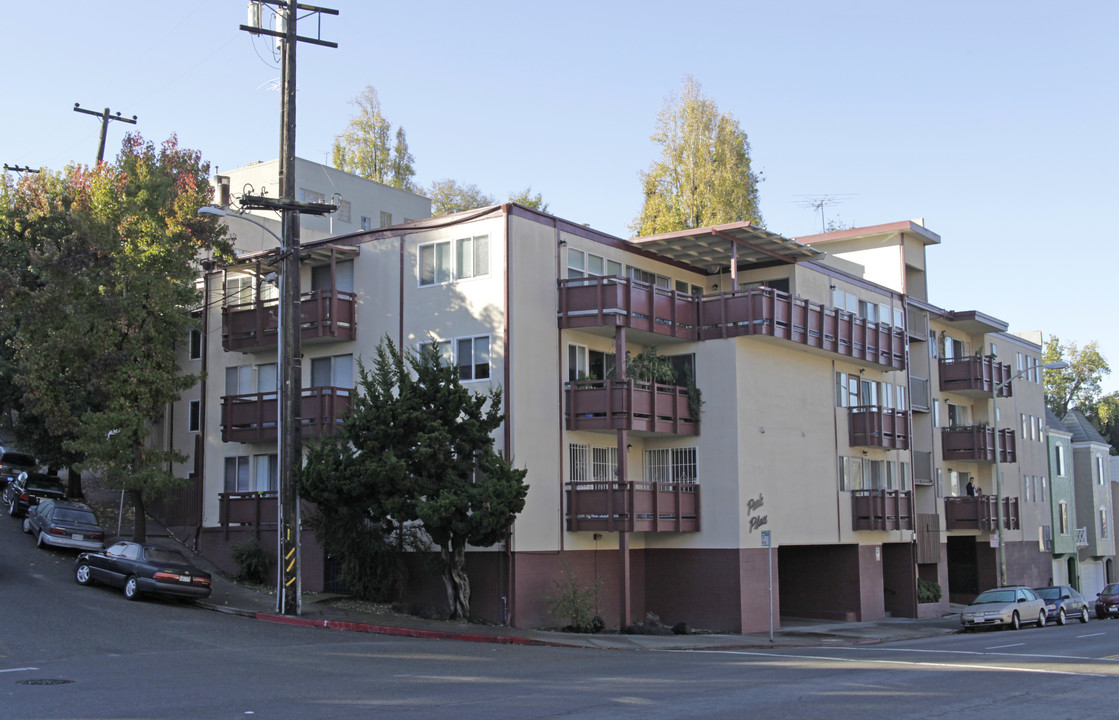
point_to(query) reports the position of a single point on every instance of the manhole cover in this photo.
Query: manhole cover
(45, 681)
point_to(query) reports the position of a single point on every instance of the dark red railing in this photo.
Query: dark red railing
(881, 510)
(875, 426)
(977, 442)
(324, 315)
(980, 513)
(974, 376)
(252, 417)
(629, 405)
(634, 506)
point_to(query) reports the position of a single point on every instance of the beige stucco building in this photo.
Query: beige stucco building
(838, 418)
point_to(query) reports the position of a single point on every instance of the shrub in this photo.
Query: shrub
(255, 562)
(927, 592)
(576, 603)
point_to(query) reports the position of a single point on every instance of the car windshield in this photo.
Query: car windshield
(1112, 589)
(46, 484)
(1049, 593)
(77, 517)
(166, 555)
(12, 458)
(995, 596)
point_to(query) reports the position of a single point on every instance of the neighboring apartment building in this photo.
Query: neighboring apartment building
(842, 413)
(1063, 537)
(1091, 460)
(362, 204)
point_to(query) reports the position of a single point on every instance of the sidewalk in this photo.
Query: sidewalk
(324, 611)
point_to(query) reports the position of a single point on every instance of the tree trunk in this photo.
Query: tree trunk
(139, 519)
(455, 579)
(74, 483)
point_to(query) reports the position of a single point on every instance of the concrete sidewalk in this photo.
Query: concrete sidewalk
(332, 612)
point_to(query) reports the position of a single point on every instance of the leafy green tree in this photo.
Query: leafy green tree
(1078, 385)
(96, 315)
(365, 147)
(704, 176)
(418, 446)
(447, 197)
(528, 200)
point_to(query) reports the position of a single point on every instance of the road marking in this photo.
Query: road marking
(1035, 656)
(26, 669)
(1000, 647)
(1091, 635)
(951, 666)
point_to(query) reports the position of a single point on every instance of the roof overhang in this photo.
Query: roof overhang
(973, 321)
(713, 249)
(311, 255)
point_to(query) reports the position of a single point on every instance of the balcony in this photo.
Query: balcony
(616, 301)
(326, 315)
(252, 417)
(608, 405)
(974, 376)
(980, 513)
(1081, 537)
(247, 508)
(977, 443)
(632, 507)
(874, 426)
(881, 510)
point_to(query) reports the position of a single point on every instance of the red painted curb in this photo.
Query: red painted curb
(398, 631)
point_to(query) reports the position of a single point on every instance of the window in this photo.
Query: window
(1062, 518)
(903, 475)
(957, 415)
(250, 379)
(311, 196)
(1060, 452)
(194, 416)
(386, 219)
(474, 358)
(472, 257)
(435, 263)
(237, 470)
(194, 340)
(932, 344)
(336, 372)
(343, 279)
(846, 390)
(1044, 489)
(939, 483)
(1105, 529)
(238, 290)
(344, 211)
(651, 278)
(850, 473)
(584, 264)
(956, 480)
(578, 465)
(1099, 470)
(265, 473)
(671, 465)
(1027, 486)
(902, 402)
(586, 364)
(868, 311)
(445, 349)
(366, 223)
(682, 286)
(256, 474)
(874, 475)
(936, 413)
(592, 464)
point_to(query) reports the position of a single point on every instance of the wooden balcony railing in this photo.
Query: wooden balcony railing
(252, 417)
(325, 315)
(975, 376)
(629, 405)
(874, 426)
(634, 506)
(977, 443)
(617, 301)
(247, 508)
(980, 513)
(881, 510)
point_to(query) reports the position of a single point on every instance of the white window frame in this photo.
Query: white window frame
(673, 466)
(1062, 518)
(194, 416)
(474, 370)
(1105, 525)
(1060, 459)
(442, 261)
(466, 253)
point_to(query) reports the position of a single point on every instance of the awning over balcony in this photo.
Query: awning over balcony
(712, 249)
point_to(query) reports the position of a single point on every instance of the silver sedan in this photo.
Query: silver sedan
(1010, 606)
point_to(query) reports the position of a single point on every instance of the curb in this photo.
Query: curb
(401, 632)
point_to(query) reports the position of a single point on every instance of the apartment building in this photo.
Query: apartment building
(1091, 467)
(1063, 537)
(810, 444)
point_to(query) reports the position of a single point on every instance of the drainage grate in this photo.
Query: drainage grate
(45, 681)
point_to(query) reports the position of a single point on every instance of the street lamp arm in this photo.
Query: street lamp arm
(222, 212)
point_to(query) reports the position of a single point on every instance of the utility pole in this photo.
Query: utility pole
(20, 170)
(289, 441)
(105, 118)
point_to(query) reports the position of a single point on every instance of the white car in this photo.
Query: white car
(1011, 606)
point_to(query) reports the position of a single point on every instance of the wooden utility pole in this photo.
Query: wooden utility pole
(105, 118)
(289, 441)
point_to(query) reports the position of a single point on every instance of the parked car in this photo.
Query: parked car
(28, 489)
(1063, 602)
(140, 568)
(1010, 606)
(64, 524)
(13, 463)
(1107, 602)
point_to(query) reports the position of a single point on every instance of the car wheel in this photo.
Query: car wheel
(1015, 621)
(1061, 620)
(1041, 617)
(131, 588)
(1084, 615)
(83, 575)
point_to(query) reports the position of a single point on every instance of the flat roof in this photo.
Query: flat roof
(712, 249)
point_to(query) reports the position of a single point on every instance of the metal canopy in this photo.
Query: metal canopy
(712, 249)
(310, 255)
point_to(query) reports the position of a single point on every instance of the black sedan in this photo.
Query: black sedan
(28, 489)
(64, 524)
(1107, 602)
(1063, 603)
(140, 568)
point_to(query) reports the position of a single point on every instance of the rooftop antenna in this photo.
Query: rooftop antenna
(818, 202)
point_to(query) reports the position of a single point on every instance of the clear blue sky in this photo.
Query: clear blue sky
(994, 121)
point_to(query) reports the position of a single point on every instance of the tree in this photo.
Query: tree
(447, 197)
(110, 291)
(418, 446)
(1078, 385)
(364, 149)
(704, 176)
(528, 200)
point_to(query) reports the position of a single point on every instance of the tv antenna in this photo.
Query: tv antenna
(817, 203)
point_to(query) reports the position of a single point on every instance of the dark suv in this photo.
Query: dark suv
(13, 463)
(28, 489)
(1107, 602)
